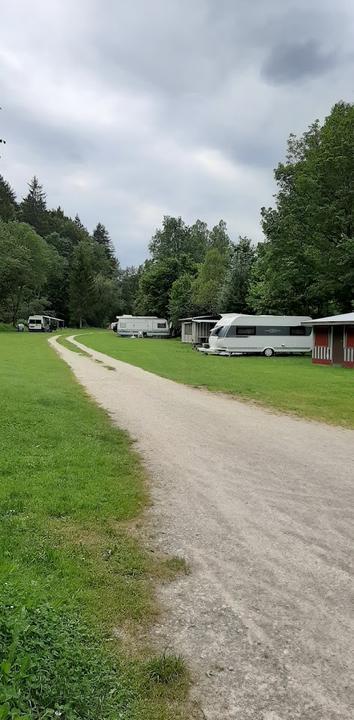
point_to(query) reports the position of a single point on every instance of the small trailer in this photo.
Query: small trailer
(44, 323)
(142, 326)
(262, 334)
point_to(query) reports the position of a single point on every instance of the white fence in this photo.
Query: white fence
(349, 354)
(321, 352)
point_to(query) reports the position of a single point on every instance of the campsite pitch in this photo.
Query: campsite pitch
(288, 384)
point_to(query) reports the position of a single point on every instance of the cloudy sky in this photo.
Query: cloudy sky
(131, 109)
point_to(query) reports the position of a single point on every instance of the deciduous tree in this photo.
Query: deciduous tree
(81, 283)
(233, 295)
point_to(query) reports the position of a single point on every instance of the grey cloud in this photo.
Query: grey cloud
(289, 63)
(127, 111)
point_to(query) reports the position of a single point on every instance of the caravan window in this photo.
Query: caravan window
(245, 331)
(272, 330)
(216, 330)
(240, 330)
(161, 325)
(300, 330)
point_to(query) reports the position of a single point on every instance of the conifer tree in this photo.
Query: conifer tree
(8, 203)
(33, 209)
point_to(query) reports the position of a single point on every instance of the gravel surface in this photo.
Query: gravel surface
(261, 506)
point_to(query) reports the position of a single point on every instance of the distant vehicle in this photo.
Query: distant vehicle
(142, 326)
(44, 323)
(263, 334)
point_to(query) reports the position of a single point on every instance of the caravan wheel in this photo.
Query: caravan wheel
(268, 352)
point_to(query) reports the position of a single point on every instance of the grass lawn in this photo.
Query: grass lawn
(289, 384)
(71, 568)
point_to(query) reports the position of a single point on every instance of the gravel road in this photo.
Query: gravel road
(261, 506)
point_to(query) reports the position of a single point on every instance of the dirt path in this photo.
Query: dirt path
(262, 507)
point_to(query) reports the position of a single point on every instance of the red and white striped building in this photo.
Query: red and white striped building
(333, 340)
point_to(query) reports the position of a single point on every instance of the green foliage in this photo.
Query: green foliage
(82, 291)
(219, 239)
(155, 285)
(206, 287)
(306, 265)
(8, 205)
(129, 283)
(176, 250)
(34, 206)
(24, 262)
(181, 299)
(102, 238)
(61, 235)
(6, 328)
(234, 291)
(171, 241)
(107, 294)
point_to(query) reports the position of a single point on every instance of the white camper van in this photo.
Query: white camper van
(44, 323)
(263, 334)
(142, 326)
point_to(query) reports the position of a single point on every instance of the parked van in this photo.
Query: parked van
(44, 323)
(142, 326)
(263, 334)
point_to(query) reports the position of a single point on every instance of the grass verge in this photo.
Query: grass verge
(62, 340)
(71, 569)
(288, 384)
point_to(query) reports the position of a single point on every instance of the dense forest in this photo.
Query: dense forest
(51, 263)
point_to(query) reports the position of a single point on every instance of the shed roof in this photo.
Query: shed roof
(201, 318)
(345, 319)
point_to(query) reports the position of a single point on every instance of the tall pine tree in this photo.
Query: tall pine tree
(102, 237)
(8, 203)
(33, 209)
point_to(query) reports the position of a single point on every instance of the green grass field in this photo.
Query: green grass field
(288, 384)
(71, 567)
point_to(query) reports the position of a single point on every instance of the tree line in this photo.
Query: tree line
(50, 262)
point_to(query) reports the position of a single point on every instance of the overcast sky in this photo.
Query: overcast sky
(131, 109)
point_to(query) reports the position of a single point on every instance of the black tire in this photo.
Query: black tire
(268, 352)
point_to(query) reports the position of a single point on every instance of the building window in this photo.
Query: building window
(187, 328)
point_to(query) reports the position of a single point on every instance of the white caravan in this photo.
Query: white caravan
(44, 323)
(142, 326)
(264, 334)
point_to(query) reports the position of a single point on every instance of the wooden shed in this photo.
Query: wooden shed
(333, 340)
(196, 330)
